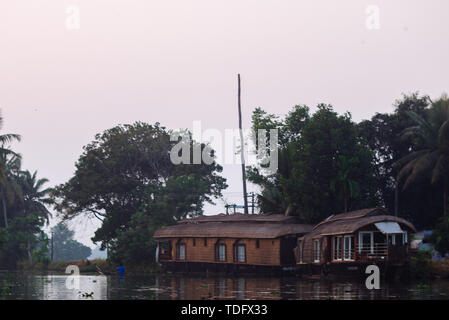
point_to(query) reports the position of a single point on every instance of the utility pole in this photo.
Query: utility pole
(252, 202)
(242, 153)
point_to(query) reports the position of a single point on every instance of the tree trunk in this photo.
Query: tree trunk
(5, 216)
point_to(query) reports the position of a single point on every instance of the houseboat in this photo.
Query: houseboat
(230, 242)
(348, 242)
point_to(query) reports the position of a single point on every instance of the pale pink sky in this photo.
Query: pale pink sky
(177, 61)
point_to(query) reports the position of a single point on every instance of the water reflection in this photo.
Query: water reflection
(211, 286)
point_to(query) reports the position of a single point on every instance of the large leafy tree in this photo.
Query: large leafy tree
(429, 161)
(310, 149)
(124, 170)
(383, 132)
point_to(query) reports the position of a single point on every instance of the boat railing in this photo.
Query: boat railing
(377, 251)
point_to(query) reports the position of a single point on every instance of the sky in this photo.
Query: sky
(72, 69)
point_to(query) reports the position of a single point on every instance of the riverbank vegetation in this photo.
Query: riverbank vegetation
(126, 179)
(24, 211)
(328, 164)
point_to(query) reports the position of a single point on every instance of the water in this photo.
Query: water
(177, 286)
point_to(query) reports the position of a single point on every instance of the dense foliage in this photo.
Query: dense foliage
(23, 208)
(329, 164)
(325, 166)
(126, 179)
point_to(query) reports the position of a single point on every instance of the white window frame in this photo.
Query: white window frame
(316, 250)
(404, 237)
(335, 252)
(371, 233)
(345, 249)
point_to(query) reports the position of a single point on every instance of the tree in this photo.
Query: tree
(309, 151)
(9, 187)
(383, 135)
(65, 248)
(5, 154)
(127, 168)
(430, 158)
(22, 206)
(343, 182)
(34, 199)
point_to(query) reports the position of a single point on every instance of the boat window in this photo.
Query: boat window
(348, 243)
(181, 251)
(240, 251)
(220, 251)
(300, 251)
(337, 248)
(366, 242)
(164, 247)
(398, 239)
(316, 250)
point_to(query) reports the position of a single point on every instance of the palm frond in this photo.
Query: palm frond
(443, 133)
(441, 168)
(420, 121)
(9, 137)
(406, 159)
(424, 164)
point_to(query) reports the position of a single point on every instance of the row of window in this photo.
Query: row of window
(220, 251)
(205, 243)
(370, 242)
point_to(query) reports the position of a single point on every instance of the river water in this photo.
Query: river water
(178, 286)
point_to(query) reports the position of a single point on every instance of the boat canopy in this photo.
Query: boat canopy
(388, 227)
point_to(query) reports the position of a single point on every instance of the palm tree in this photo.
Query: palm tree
(430, 138)
(34, 198)
(347, 187)
(10, 190)
(8, 159)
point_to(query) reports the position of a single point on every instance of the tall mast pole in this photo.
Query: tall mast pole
(242, 153)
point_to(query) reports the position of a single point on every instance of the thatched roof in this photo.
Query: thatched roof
(350, 222)
(240, 217)
(232, 230)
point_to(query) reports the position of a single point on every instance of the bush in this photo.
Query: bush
(419, 267)
(440, 236)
